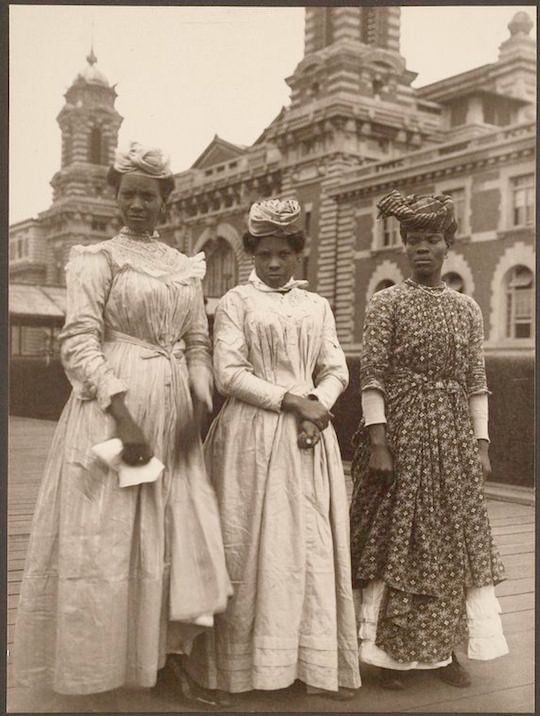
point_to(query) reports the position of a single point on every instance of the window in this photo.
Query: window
(222, 271)
(389, 233)
(458, 114)
(523, 200)
(385, 283)
(30, 340)
(99, 225)
(97, 150)
(307, 222)
(519, 302)
(458, 197)
(453, 280)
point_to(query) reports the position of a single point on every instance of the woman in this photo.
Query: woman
(421, 544)
(274, 461)
(118, 577)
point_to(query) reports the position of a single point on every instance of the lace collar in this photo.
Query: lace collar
(262, 286)
(139, 236)
(150, 256)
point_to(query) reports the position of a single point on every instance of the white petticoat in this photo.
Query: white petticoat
(486, 638)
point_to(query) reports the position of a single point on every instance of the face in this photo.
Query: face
(275, 261)
(140, 202)
(425, 251)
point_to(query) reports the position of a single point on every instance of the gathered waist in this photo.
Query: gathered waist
(174, 352)
(449, 385)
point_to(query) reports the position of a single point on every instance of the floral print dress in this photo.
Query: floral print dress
(426, 537)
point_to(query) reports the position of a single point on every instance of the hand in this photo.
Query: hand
(381, 463)
(308, 435)
(200, 384)
(483, 447)
(136, 450)
(306, 409)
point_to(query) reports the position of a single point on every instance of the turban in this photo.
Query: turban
(140, 159)
(274, 216)
(428, 213)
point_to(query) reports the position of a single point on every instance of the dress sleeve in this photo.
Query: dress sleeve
(232, 369)
(377, 342)
(476, 368)
(88, 281)
(197, 340)
(331, 372)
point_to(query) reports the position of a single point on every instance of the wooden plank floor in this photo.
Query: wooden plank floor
(505, 685)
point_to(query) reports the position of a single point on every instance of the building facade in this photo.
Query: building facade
(354, 129)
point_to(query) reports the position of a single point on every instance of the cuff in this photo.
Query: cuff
(478, 408)
(373, 406)
(328, 391)
(109, 385)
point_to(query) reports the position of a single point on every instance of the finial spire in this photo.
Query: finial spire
(91, 58)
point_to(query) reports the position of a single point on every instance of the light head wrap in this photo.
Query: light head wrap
(274, 216)
(140, 159)
(428, 212)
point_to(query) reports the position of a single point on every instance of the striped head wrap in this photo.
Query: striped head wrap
(142, 160)
(274, 216)
(428, 212)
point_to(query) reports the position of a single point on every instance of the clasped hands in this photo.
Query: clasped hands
(312, 418)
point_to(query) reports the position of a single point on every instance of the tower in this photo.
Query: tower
(89, 124)
(83, 208)
(351, 104)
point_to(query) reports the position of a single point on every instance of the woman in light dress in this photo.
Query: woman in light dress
(118, 578)
(274, 461)
(422, 551)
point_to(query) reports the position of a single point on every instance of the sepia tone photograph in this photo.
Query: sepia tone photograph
(271, 358)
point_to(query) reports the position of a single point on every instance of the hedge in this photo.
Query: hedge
(40, 391)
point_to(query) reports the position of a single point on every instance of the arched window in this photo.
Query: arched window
(519, 302)
(221, 269)
(385, 283)
(97, 147)
(455, 281)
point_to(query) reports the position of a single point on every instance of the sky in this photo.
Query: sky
(184, 74)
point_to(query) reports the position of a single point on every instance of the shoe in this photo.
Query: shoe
(342, 694)
(391, 679)
(194, 694)
(454, 674)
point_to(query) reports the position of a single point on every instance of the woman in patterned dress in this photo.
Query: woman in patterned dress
(422, 551)
(117, 577)
(274, 461)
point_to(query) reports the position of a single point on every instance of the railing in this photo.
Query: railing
(424, 156)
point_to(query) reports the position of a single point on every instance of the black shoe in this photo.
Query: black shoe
(391, 679)
(194, 694)
(454, 674)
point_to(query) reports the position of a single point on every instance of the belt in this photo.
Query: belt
(449, 385)
(153, 350)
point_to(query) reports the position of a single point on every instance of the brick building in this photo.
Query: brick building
(354, 128)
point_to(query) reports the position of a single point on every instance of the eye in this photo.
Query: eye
(284, 255)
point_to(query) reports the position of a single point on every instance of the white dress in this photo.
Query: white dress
(112, 574)
(284, 511)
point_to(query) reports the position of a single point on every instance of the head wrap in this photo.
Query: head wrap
(274, 216)
(429, 212)
(141, 159)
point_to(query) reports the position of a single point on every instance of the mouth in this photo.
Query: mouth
(422, 262)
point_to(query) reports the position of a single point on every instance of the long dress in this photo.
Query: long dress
(283, 510)
(426, 539)
(114, 574)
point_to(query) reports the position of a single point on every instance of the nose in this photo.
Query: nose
(136, 202)
(275, 262)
